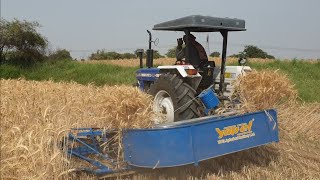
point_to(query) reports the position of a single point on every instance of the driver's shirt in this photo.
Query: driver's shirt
(196, 53)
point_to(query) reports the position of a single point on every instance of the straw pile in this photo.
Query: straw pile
(264, 90)
(272, 89)
(36, 115)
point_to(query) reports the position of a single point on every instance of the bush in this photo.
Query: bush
(129, 56)
(102, 55)
(20, 43)
(156, 54)
(255, 52)
(215, 54)
(60, 54)
(171, 53)
(251, 51)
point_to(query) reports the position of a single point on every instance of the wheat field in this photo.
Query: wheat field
(163, 61)
(36, 115)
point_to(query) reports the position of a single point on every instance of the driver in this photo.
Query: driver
(197, 54)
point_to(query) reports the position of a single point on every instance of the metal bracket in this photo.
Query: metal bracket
(88, 143)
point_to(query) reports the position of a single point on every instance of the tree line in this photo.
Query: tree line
(22, 44)
(110, 55)
(250, 51)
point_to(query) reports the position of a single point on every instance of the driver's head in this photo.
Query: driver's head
(191, 37)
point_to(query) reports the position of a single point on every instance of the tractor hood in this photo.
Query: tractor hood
(198, 23)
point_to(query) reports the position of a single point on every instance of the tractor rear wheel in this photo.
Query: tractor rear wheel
(174, 99)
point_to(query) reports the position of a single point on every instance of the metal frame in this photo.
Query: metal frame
(224, 34)
(84, 149)
(198, 23)
(223, 61)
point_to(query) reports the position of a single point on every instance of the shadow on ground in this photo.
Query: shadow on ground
(231, 163)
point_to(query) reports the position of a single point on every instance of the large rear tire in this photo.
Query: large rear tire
(174, 98)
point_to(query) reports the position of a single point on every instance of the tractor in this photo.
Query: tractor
(178, 89)
(186, 96)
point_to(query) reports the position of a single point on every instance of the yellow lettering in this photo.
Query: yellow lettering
(232, 130)
(228, 131)
(243, 128)
(235, 129)
(250, 125)
(220, 133)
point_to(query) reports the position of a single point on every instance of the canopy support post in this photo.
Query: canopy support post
(223, 61)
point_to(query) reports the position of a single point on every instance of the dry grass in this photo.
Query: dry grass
(35, 115)
(300, 120)
(163, 61)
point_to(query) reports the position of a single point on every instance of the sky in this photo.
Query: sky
(283, 28)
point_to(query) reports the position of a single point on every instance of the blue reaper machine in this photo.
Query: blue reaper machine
(185, 95)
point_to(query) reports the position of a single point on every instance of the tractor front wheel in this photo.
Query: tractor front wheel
(174, 100)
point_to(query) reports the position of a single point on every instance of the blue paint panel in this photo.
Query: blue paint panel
(173, 144)
(147, 74)
(195, 142)
(206, 136)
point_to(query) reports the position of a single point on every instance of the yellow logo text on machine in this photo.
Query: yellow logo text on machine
(238, 131)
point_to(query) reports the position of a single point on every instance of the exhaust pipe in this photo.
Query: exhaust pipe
(149, 60)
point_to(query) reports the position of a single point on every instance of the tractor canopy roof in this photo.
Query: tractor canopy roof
(198, 23)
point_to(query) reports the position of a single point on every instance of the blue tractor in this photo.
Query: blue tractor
(184, 94)
(181, 91)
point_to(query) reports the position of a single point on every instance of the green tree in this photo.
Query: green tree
(112, 55)
(240, 55)
(20, 43)
(171, 53)
(215, 54)
(251, 51)
(128, 56)
(97, 55)
(156, 54)
(3, 39)
(102, 55)
(60, 54)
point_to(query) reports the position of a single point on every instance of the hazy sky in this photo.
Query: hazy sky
(284, 28)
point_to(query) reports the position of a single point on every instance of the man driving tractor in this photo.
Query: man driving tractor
(196, 52)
